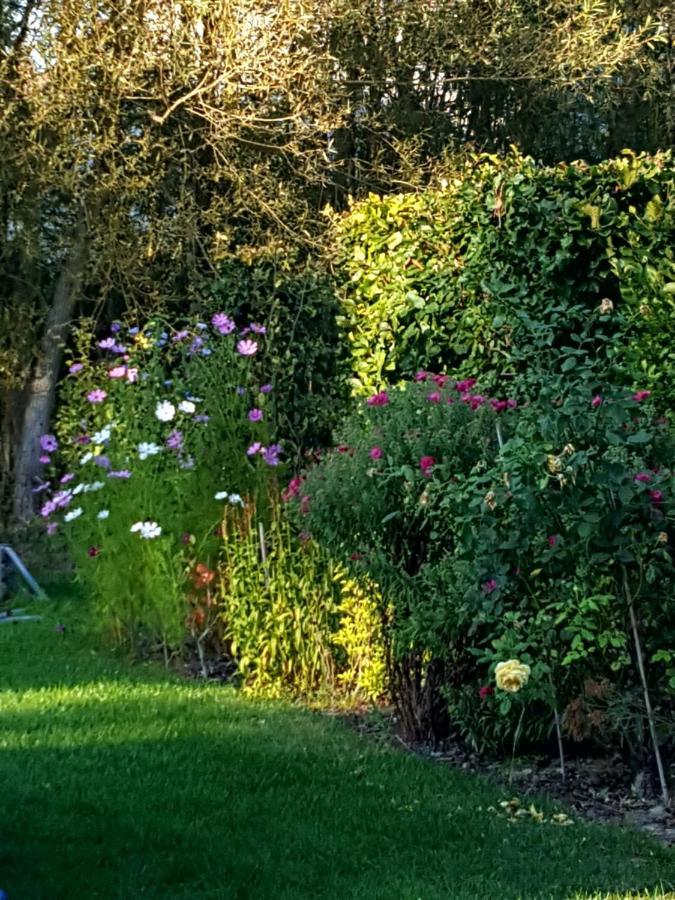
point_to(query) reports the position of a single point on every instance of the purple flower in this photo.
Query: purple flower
(96, 396)
(256, 447)
(223, 323)
(47, 509)
(596, 401)
(175, 440)
(180, 336)
(107, 343)
(83, 439)
(255, 415)
(134, 330)
(240, 390)
(75, 368)
(118, 348)
(247, 348)
(379, 399)
(271, 454)
(115, 327)
(52, 528)
(257, 329)
(45, 460)
(49, 443)
(102, 462)
(67, 477)
(489, 586)
(201, 418)
(122, 473)
(266, 389)
(196, 344)
(41, 487)
(62, 499)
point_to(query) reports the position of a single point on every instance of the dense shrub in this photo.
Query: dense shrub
(539, 531)
(460, 276)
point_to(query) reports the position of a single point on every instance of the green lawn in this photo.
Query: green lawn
(119, 781)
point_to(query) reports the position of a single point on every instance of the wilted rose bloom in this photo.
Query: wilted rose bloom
(486, 691)
(511, 675)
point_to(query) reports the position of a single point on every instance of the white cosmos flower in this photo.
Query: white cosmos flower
(147, 530)
(187, 406)
(85, 459)
(94, 486)
(165, 411)
(235, 499)
(78, 489)
(221, 495)
(136, 527)
(73, 514)
(103, 435)
(147, 449)
(103, 514)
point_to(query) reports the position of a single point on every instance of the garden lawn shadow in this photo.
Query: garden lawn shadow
(131, 783)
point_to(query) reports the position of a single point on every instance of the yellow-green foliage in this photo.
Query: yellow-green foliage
(297, 625)
(361, 637)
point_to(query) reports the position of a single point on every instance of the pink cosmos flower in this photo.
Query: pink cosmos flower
(96, 396)
(255, 415)
(45, 460)
(489, 586)
(256, 447)
(375, 453)
(641, 395)
(434, 397)
(427, 464)
(379, 399)
(75, 368)
(596, 401)
(223, 323)
(247, 348)
(117, 372)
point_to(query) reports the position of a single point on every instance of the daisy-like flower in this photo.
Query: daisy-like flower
(165, 411)
(175, 440)
(256, 447)
(102, 436)
(220, 495)
(255, 415)
(187, 406)
(117, 372)
(235, 499)
(107, 343)
(97, 396)
(121, 473)
(148, 449)
(271, 454)
(247, 347)
(73, 514)
(86, 458)
(223, 323)
(94, 486)
(103, 514)
(75, 368)
(49, 443)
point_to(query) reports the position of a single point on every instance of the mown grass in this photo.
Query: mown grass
(121, 781)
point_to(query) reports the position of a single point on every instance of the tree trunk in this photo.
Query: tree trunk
(41, 390)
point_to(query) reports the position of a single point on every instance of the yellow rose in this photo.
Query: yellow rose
(511, 675)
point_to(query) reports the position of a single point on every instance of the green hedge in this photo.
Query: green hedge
(473, 276)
